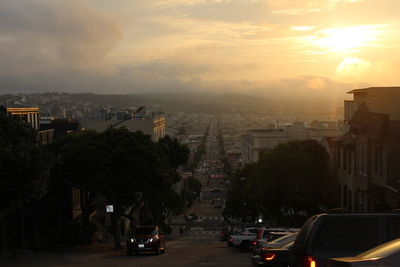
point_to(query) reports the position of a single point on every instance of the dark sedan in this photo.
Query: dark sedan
(146, 239)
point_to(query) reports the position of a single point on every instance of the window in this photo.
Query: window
(347, 234)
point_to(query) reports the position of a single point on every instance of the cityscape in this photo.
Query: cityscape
(193, 133)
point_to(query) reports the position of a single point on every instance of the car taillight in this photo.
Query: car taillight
(309, 262)
(230, 239)
(254, 243)
(268, 256)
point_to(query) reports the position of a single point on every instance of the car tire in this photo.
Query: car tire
(157, 251)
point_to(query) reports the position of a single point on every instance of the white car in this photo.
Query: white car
(277, 243)
(243, 238)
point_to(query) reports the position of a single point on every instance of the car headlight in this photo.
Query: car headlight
(151, 240)
(132, 240)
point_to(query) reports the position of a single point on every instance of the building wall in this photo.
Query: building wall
(266, 139)
(28, 115)
(150, 126)
(381, 100)
(374, 183)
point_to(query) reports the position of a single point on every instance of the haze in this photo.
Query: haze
(297, 48)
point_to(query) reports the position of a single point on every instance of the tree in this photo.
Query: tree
(241, 202)
(118, 163)
(177, 154)
(291, 179)
(24, 164)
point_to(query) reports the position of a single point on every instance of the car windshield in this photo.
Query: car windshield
(382, 250)
(145, 231)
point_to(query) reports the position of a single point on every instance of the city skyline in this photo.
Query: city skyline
(259, 47)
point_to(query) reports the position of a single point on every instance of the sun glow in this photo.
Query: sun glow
(348, 39)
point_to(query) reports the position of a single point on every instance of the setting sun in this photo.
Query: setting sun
(348, 39)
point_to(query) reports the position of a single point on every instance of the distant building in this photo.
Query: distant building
(368, 153)
(258, 140)
(31, 116)
(152, 124)
(27, 115)
(60, 126)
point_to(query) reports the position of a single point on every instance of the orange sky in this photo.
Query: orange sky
(256, 46)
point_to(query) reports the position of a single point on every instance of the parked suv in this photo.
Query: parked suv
(146, 239)
(330, 235)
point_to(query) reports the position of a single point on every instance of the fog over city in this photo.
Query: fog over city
(271, 48)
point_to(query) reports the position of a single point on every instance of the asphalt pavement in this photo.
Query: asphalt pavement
(195, 250)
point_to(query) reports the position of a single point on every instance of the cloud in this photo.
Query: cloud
(354, 68)
(259, 46)
(43, 35)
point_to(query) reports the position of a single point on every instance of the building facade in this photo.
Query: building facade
(258, 140)
(368, 170)
(27, 115)
(152, 124)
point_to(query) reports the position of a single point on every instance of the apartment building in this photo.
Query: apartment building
(368, 168)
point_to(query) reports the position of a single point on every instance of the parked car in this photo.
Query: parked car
(225, 234)
(146, 239)
(243, 238)
(277, 243)
(277, 257)
(387, 254)
(332, 235)
(269, 234)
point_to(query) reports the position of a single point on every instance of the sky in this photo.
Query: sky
(304, 48)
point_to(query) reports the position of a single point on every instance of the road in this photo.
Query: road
(195, 250)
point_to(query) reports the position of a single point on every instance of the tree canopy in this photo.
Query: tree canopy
(291, 179)
(24, 164)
